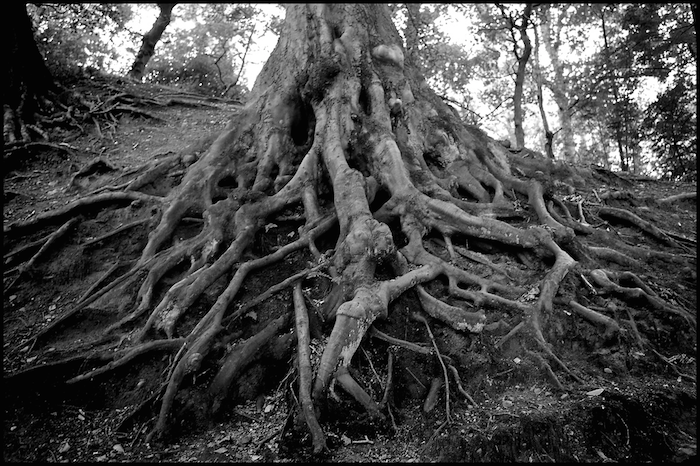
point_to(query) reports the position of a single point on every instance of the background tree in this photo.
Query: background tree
(211, 56)
(74, 37)
(671, 125)
(150, 39)
(26, 79)
(556, 23)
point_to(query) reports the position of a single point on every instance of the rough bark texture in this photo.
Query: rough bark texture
(150, 40)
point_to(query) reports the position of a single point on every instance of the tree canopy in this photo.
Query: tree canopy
(602, 67)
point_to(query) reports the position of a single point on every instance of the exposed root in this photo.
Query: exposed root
(305, 375)
(128, 355)
(610, 327)
(237, 360)
(603, 278)
(436, 384)
(677, 198)
(460, 388)
(328, 141)
(647, 227)
(51, 239)
(448, 414)
(74, 206)
(116, 231)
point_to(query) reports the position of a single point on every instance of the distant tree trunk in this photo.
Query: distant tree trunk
(617, 122)
(150, 39)
(25, 75)
(537, 72)
(558, 86)
(520, 77)
(411, 31)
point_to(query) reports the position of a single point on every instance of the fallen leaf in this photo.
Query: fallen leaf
(595, 392)
(221, 450)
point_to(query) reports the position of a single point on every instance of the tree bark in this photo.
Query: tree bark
(537, 73)
(520, 76)
(150, 40)
(558, 85)
(26, 77)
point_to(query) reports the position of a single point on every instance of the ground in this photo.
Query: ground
(622, 413)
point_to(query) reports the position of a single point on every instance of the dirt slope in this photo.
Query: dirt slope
(624, 415)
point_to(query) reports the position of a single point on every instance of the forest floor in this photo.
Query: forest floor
(617, 416)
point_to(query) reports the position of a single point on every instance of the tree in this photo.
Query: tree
(672, 127)
(212, 54)
(391, 194)
(150, 39)
(26, 79)
(522, 59)
(551, 37)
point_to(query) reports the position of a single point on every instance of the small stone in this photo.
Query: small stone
(507, 403)
(64, 448)
(101, 459)
(607, 370)
(118, 448)
(52, 307)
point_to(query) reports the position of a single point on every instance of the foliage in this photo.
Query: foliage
(615, 60)
(670, 123)
(78, 36)
(210, 52)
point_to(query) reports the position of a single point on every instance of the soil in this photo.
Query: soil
(630, 409)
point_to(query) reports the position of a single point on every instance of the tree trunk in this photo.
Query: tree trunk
(558, 86)
(26, 79)
(537, 74)
(520, 77)
(150, 39)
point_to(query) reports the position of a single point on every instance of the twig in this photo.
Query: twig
(461, 389)
(444, 369)
(416, 378)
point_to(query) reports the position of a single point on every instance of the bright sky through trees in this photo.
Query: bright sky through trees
(489, 94)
